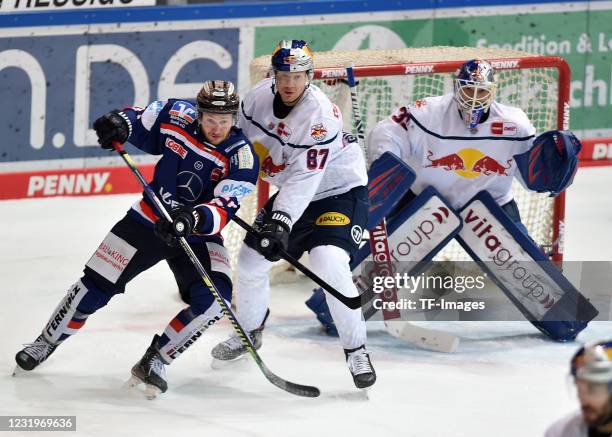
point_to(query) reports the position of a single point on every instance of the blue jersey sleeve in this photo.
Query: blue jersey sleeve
(145, 126)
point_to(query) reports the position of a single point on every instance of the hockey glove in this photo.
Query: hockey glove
(184, 222)
(274, 235)
(114, 126)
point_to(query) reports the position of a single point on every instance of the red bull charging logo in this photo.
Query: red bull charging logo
(469, 163)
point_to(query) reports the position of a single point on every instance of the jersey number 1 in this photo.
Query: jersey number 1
(312, 158)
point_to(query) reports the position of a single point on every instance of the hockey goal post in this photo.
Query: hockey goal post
(397, 77)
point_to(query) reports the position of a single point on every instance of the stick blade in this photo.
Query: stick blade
(307, 391)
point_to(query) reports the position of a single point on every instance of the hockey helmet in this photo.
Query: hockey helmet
(474, 90)
(293, 55)
(593, 363)
(218, 96)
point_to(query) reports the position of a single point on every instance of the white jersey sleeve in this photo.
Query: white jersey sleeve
(390, 135)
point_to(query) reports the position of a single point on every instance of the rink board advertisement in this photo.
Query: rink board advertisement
(63, 76)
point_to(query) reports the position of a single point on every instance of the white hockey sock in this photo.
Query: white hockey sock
(252, 288)
(331, 263)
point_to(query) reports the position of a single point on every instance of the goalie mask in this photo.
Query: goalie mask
(218, 96)
(293, 55)
(474, 90)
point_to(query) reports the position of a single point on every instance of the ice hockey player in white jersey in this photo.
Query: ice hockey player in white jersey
(321, 206)
(591, 369)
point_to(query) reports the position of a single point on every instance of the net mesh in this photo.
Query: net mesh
(535, 90)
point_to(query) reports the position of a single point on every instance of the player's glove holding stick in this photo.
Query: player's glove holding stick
(274, 235)
(185, 221)
(113, 126)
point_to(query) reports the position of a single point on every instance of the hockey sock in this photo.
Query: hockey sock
(82, 300)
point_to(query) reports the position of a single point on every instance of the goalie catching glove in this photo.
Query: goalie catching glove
(274, 235)
(551, 163)
(185, 220)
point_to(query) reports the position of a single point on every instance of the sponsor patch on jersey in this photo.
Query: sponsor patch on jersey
(176, 148)
(112, 257)
(503, 128)
(356, 234)
(420, 103)
(245, 157)
(215, 174)
(332, 219)
(283, 131)
(183, 111)
(318, 132)
(236, 190)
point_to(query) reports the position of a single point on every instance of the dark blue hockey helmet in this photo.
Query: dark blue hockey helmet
(474, 90)
(293, 55)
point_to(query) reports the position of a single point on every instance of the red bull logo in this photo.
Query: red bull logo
(469, 163)
(268, 168)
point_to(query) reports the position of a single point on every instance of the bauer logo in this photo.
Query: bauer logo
(332, 219)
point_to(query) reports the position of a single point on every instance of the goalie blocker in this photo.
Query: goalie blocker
(522, 271)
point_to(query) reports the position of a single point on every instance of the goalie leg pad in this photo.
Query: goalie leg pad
(318, 305)
(522, 271)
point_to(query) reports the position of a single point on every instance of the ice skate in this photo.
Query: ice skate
(150, 371)
(361, 368)
(233, 349)
(33, 354)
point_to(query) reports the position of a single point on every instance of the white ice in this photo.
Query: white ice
(505, 379)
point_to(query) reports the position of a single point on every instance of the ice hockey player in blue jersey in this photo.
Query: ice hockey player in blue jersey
(206, 168)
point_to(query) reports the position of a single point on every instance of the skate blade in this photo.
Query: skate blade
(136, 384)
(18, 371)
(218, 364)
(132, 383)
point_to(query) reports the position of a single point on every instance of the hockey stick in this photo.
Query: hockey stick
(293, 388)
(379, 247)
(351, 302)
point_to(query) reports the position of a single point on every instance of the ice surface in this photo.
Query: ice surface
(505, 379)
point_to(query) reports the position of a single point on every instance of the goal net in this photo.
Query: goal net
(392, 78)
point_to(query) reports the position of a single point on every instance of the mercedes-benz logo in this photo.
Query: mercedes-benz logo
(189, 186)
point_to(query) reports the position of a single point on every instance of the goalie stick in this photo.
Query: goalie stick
(426, 338)
(290, 387)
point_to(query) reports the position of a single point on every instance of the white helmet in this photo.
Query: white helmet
(594, 363)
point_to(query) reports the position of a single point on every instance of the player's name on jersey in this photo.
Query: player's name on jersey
(40, 5)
